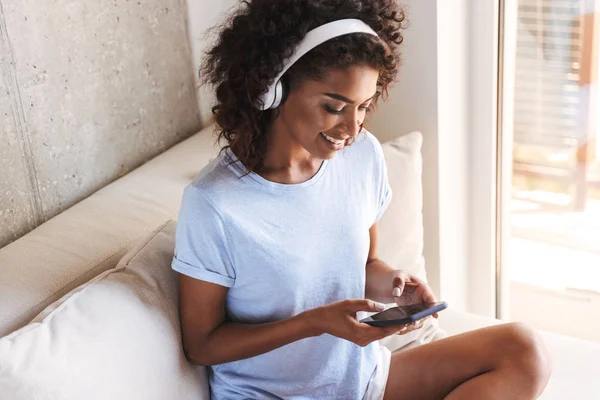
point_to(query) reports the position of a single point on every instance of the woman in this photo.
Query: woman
(277, 237)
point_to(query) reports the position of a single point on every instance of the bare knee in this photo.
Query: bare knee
(523, 349)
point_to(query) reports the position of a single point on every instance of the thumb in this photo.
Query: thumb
(366, 305)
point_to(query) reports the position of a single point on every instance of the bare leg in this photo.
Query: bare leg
(500, 362)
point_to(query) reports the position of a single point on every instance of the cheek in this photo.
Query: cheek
(308, 119)
(321, 121)
(315, 121)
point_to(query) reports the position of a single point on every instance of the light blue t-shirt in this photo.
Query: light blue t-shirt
(282, 249)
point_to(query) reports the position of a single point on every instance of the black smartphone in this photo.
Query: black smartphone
(403, 315)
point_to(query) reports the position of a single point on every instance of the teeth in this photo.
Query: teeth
(332, 140)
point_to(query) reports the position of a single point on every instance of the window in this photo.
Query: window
(551, 221)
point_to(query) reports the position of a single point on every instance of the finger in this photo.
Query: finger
(410, 328)
(393, 330)
(379, 330)
(398, 289)
(400, 330)
(424, 294)
(410, 294)
(400, 333)
(413, 327)
(375, 332)
(364, 305)
(405, 331)
(428, 296)
(417, 280)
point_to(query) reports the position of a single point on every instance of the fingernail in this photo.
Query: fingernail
(396, 292)
(380, 306)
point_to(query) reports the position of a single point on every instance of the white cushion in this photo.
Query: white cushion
(576, 363)
(401, 227)
(117, 337)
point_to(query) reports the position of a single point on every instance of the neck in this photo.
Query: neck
(285, 160)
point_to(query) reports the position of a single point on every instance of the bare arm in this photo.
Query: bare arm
(380, 276)
(388, 285)
(209, 339)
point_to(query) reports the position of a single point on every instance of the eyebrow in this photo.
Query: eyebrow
(345, 99)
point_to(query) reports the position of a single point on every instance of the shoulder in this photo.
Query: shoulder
(372, 142)
(217, 177)
(366, 148)
(209, 186)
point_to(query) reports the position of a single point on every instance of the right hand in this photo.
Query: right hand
(339, 319)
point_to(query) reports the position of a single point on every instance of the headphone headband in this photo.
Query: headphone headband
(272, 98)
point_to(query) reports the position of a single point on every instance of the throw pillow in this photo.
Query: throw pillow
(401, 227)
(116, 337)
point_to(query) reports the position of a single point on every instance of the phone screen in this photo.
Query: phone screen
(402, 312)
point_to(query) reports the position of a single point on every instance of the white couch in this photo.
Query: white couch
(79, 319)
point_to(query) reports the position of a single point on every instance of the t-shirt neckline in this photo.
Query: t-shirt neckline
(241, 170)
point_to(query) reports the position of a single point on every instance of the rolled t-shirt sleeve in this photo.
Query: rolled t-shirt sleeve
(386, 198)
(202, 244)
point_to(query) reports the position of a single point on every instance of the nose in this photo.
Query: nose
(353, 124)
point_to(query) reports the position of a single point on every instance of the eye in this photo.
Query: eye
(333, 111)
(366, 109)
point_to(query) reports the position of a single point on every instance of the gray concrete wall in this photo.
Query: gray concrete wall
(88, 91)
(203, 15)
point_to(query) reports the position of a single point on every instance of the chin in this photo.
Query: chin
(322, 154)
(329, 156)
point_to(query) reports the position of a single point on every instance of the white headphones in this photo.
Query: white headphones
(272, 98)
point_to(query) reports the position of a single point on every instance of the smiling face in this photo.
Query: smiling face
(321, 117)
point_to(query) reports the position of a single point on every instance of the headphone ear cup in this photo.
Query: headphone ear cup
(277, 96)
(267, 100)
(273, 98)
(284, 90)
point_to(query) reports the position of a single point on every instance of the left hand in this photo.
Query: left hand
(408, 289)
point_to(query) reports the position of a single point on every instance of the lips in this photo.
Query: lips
(333, 140)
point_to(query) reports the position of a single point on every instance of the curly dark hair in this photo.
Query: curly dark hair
(257, 38)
